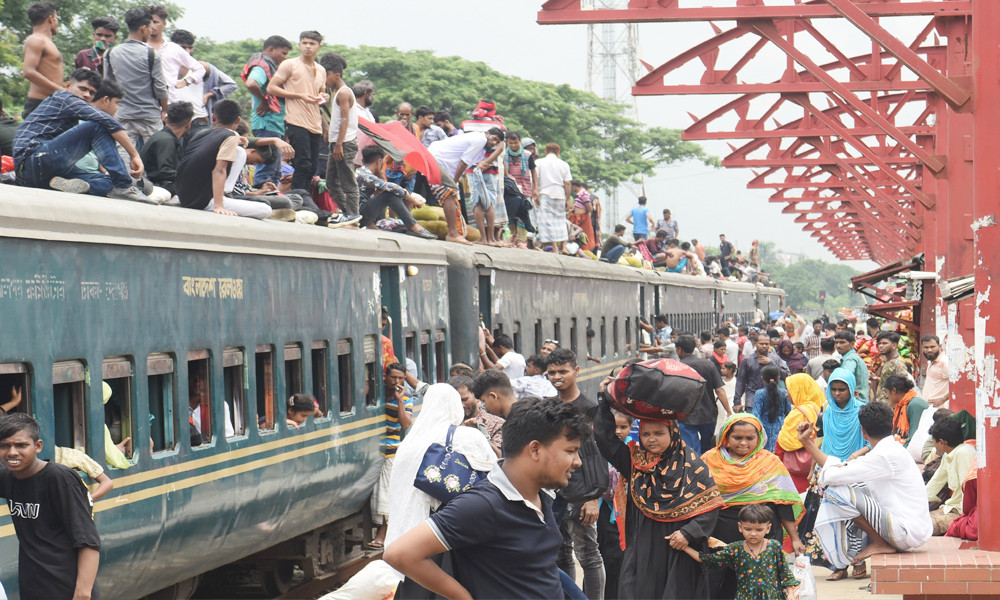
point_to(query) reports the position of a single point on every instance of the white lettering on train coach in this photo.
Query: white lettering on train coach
(226, 288)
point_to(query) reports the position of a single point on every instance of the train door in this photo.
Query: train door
(486, 300)
(389, 284)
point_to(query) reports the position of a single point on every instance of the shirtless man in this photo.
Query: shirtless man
(43, 64)
(677, 259)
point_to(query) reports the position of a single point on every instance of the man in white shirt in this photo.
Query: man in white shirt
(180, 69)
(534, 383)
(554, 188)
(936, 383)
(732, 350)
(190, 88)
(875, 501)
(751, 343)
(364, 91)
(454, 156)
(506, 360)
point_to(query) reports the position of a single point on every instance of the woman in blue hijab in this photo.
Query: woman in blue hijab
(841, 428)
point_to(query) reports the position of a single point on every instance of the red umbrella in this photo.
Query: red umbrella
(406, 144)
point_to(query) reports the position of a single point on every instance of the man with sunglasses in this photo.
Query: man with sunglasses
(548, 347)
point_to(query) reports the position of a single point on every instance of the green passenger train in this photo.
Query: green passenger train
(191, 315)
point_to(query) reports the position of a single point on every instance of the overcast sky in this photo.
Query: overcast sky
(505, 35)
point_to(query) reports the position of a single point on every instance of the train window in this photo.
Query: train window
(557, 331)
(425, 356)
(604, 337)
(345, 375)
(614, 335)
(321, 375)
(517, 337)
(117, 373)
(15, 387)
(264, 378)
(628, 335)
(160, 393)
(572, 334)
(409, 346)
(590, 338)
(200, 392)
(293, 369)
(371, 386)
(539, 336)
(69, 399)
(234, 394)
(440, 366)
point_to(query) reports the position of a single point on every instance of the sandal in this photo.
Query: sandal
(376, 545)
(860, 571)
(837, 575)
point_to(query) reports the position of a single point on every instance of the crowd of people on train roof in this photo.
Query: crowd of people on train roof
(813, 438)
(142, 119)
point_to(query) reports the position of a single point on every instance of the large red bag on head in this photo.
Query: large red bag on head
(657, 389)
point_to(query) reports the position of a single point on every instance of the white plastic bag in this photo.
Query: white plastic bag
(377, 581)
(802, 570)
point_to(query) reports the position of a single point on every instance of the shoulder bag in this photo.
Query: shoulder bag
(445, 473)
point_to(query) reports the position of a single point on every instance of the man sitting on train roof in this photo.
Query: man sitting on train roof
(162, 151)
(615, 245)
(207, 162)
(377, 194)
(106, 99)
(62, 130)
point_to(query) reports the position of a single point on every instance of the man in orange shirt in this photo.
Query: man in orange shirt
(300, 81)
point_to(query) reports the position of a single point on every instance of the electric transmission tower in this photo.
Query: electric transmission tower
(612, 69)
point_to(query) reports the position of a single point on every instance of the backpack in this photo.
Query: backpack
(150, 61)
(590, 480)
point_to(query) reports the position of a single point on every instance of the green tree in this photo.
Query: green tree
(74, 35)
(602, 145)
(803, 281)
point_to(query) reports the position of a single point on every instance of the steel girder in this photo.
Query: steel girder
(871, 147)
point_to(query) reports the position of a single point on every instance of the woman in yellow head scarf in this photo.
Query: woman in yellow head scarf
(807, 404)
(113, 453)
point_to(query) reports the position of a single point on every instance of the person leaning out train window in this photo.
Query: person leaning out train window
(15, 400)
(114, 454)
(300, 406)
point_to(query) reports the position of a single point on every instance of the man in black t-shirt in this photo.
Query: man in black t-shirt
(53, 517)
(698, 429)
(503, 528)
(208, 160)
(579, 527)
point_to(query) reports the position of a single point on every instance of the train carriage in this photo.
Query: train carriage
(169, 304)
(192, 317)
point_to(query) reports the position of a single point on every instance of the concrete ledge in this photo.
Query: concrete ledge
(944, 568)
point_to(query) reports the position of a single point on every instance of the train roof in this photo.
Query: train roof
(30, 213)
(510, 259)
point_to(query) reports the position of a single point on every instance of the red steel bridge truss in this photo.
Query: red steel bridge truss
(871, 152)
(889, 154)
